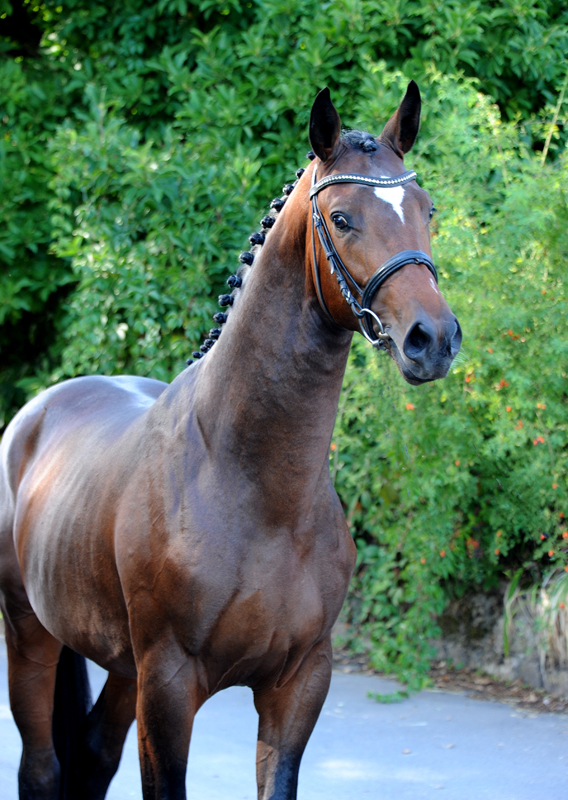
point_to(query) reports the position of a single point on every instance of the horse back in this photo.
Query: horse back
(111, 404)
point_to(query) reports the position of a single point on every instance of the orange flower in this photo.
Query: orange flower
(442, 553)
(565, 569)
(541, 405)
(497, 551)
(489, 349)
(469, 378)
(519, 425)
(542, 536)
(565, 534)
(551, 553)
(333, 446)
(503, 383)
(560, 605)
(510, 332)
(422, 560)
(499, 533)
(409, 407)
(555, 486)
(561, 515)
(509, 408)
(458, 462)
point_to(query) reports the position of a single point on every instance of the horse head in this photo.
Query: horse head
(371, 221)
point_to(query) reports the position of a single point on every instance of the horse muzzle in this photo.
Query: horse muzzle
(427, 349)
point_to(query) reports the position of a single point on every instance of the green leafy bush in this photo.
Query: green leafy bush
(460, 483)
(148, 228)
(32, 279)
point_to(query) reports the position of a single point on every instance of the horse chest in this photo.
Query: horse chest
(245, 610)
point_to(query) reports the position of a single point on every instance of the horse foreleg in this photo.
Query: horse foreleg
(287, 715)
(33, 655)
(168, 698)
(106, 728)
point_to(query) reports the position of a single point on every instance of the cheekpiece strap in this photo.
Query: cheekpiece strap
(366, 180)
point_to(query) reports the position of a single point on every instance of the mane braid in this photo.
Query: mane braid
(355, 139)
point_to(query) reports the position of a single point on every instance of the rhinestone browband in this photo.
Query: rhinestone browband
(364, 179)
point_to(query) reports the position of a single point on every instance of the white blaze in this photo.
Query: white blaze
(434, 286)
(393, 195)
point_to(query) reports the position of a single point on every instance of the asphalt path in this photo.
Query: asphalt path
(434, 745)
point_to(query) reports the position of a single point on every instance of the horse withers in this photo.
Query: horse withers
(187, 537)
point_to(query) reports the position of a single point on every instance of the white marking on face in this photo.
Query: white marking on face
(393, 195)
(433, 282)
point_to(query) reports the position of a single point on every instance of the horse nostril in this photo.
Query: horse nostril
(456, 339)
(417, 340)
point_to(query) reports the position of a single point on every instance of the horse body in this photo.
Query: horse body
(188, 537)
(128, 491)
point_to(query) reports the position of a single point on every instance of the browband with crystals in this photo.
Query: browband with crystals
(366, 180)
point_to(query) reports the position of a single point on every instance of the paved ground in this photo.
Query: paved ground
(434, 745)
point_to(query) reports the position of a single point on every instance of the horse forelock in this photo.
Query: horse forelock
(360, 140)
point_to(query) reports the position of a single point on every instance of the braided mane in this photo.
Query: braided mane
(353, 139)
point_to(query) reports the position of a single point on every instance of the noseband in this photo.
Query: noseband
(361, 310)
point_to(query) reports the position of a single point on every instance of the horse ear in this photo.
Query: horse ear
(402, 128)
(325, 126)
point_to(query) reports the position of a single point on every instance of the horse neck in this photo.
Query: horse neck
(267, 393)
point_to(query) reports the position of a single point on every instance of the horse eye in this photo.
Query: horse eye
(340, 222)
(432, 212)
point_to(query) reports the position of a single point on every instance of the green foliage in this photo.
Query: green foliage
(147, 228)
(32, 279)
(462, 482)
(139, 144)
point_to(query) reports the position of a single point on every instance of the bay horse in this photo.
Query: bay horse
(187, 537)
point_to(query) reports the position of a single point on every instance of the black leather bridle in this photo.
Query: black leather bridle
(361, 309)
